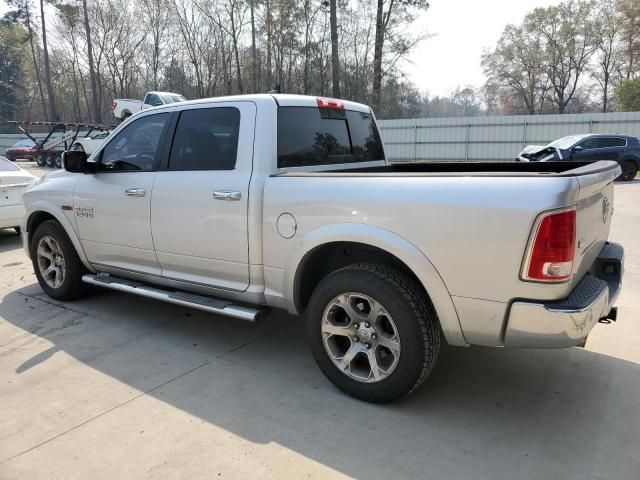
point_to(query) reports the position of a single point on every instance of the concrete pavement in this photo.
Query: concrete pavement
(115, 386)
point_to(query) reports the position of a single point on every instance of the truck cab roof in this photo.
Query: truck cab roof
(284, 100)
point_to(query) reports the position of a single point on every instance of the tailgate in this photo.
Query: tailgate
(594, 212)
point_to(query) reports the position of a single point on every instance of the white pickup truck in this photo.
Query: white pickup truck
(123, 108)
(233, 205)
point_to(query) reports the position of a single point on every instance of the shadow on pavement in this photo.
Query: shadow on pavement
(9, 240)
(484, 413)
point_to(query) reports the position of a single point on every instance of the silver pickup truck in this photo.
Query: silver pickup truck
(234, 205)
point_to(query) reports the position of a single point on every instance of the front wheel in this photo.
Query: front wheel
(56, 263)
(373, 332)
(629, 170)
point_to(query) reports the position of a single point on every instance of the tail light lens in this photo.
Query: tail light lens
(114, 105)
(553, 249)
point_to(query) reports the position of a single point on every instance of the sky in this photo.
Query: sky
(461, 30)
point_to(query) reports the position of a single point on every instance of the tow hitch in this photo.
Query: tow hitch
(610, 317)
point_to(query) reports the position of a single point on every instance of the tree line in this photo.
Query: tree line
(579, 55)
(68, 59)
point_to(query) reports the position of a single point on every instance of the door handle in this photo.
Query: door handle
(135, 192)
(226, 195)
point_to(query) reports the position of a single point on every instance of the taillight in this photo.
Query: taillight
(553, 248)
(114, 105)
(329, 103)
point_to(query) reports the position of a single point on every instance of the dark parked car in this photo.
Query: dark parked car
(22, 149)
(623, 149)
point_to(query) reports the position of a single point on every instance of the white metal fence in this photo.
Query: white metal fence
(491, 138)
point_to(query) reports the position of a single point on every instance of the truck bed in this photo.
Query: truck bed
(502, 169)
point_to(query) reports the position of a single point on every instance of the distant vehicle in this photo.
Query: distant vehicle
(23, 149)
(124, 107)
(91, 142)
(13, 181)
(623, 149)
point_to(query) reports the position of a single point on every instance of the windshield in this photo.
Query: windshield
(173, 98)
(24, 143)
(7, 166)
(566, 142)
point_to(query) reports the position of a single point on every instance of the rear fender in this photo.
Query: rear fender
(393, 244)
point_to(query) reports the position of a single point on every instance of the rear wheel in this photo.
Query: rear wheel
(51, 160)
(56, 263)
(373, 332)
(629, 170)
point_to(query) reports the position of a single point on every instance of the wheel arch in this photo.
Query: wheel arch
(633, 158)
(331, 247)
(41, 212)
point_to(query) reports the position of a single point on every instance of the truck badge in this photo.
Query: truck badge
(84, 212)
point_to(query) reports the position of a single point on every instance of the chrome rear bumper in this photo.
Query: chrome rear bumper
(567, 323)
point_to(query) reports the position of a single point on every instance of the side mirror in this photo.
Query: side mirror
(577, 148)
(74, 161)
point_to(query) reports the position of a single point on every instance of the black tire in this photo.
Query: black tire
(629, 170)
(72, 287)
(41, 160)
(51, 160)
(412, 312)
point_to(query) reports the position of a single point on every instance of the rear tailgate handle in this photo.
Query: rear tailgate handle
(135, 192)
(226, 195)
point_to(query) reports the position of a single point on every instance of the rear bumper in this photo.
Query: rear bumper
(568, 322)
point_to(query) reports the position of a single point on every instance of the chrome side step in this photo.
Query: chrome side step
(200, 302)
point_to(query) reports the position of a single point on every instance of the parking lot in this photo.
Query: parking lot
(116, 386)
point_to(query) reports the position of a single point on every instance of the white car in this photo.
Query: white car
(13, 181)
(91, 142)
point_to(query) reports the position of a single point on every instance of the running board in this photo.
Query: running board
(200, 302)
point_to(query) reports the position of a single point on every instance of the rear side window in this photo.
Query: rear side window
(206, 139)
(607, 142)
(309, 136)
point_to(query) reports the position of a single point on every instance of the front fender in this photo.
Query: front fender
(56, 212)
(393, 244)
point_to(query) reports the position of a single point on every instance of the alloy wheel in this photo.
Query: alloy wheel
(360, 337)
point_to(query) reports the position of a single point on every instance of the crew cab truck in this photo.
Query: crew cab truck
(123, 108)
(238, 204)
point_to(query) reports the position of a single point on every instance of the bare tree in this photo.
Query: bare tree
(388, 14)
(517, 66)
(568, 33)
(335, 63)
(95, 104)
(608, 56)
(47, 69)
